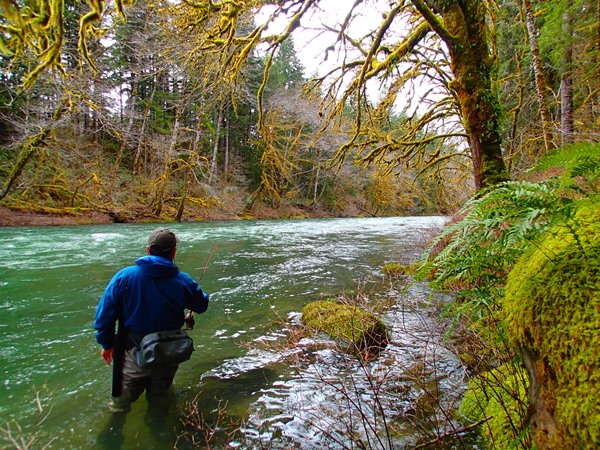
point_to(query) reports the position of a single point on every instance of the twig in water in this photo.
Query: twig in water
(452, 433)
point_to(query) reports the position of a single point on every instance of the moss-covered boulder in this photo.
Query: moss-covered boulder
(499, 397)
(396, 269)
(358, 331)
(552, 312)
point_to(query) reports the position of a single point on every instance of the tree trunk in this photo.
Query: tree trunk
(181, 208)
(227, 149)
(516, 111)
(213, 164)
(316, 187)
(540, 84)
(473, 64)
(95, 124)
(127, 135)
(542, 402)
(567, 127)
(159, 197)
(138, 151)
(196, 144)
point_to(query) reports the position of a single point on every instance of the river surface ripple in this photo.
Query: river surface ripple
(259, 274)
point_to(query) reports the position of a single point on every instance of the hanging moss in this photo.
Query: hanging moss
(552, 310)
(499, 395)
(358, 331)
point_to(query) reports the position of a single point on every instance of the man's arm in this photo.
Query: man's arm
(106, 315)
(198, 300)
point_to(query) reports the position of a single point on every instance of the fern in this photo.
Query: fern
(495, 228)
(581, 167)
(473, 256)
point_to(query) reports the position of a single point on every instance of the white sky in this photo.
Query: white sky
(311, 39)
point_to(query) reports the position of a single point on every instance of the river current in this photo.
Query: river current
(259, 275)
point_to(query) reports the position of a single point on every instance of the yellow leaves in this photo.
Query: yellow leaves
(383, 188)
(275, 172)
(282, 142)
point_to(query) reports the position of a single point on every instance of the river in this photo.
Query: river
(259, 275)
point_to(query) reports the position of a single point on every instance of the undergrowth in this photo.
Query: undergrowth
(472, 258)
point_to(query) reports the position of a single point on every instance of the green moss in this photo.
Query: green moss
(500, 395)
(395, 269)
(552, 311)
(359, 331)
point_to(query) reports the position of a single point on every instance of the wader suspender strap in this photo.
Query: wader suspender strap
(118, 352)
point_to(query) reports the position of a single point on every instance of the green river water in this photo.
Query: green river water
(51, 279)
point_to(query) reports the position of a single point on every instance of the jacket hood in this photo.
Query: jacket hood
(157, 266)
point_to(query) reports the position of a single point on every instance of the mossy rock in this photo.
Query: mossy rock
(395, 269)
(499, 394)
(358, 331)
(552, 312)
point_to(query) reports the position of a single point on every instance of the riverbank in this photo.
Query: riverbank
(11, 217)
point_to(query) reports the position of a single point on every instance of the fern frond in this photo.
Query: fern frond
(477, 251)
(578, 161)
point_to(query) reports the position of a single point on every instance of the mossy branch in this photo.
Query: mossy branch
(80, 185)
(434, 21)
(40, 28)
(86, 27)
(29, 148)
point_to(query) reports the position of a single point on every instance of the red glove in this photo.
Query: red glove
(107, 355)
(189, 320)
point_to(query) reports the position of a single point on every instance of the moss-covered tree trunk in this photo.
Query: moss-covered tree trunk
(142, 133)
(552, 314)
(30, 146)
(473, 64)
(540, 84)
(464, 28)
(213, 162)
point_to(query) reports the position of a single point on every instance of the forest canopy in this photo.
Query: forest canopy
(168, 107)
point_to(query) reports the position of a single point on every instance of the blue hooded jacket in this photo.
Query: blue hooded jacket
(153, 295)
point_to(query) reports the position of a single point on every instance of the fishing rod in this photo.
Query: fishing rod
(189, 317)
(212, 252)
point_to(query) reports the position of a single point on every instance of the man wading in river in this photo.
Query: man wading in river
(146, 298)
